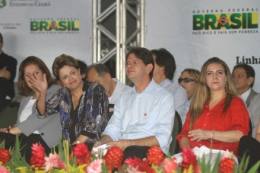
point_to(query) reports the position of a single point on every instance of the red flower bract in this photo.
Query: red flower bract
(4, 169)
(226, 165)
(114, 157)
(82, 154)
(4, 155)
(189, 158)
(134, 162)
(139, 164)
(155, 155)
(38, 154)
(169, 165)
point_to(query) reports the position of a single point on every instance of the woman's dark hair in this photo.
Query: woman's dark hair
(23, 88)
(83, 67)
(61, 61)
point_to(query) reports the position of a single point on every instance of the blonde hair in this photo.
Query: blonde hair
(202, 94)
(193, 72)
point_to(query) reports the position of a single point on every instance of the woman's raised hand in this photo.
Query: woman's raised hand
(37, 83)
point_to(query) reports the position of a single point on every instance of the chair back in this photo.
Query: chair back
(174, 146)
(8, 116)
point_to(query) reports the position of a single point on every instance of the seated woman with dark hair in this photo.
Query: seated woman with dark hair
(29, 127)
(217, 117)
(83, 107)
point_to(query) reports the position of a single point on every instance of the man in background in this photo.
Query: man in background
(7, 75)
(163, 74)
(244, 78)
(100, 73)
(114, 89)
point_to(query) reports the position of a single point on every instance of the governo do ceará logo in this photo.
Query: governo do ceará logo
(2, 3)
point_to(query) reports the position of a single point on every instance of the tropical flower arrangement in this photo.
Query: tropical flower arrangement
(79, 159)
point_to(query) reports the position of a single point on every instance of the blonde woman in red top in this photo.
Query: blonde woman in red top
(217, 117)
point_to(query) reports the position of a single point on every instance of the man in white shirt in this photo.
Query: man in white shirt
(114, 89)
(244, 77)
(144, 116)
(164, 68)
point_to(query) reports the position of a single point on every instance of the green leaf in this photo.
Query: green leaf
(216, 164)
(16, 159)
(242, 167)
(104, 168)
(2, 144)
(157, 169)
(207, 166)
(255, 168)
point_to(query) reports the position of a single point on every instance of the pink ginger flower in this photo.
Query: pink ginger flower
(95, 166)
(4, 170)
(169, 165)
(53, 161)
(38, 154)
(131, 169)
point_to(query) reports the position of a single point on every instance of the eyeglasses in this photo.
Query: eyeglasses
(185, 80)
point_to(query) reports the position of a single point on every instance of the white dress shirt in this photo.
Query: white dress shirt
(27, 111)
(145, 114)
(179, 95)
(118, 91)
(245, 95)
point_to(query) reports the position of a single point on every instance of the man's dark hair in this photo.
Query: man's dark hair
(101, 69)
(250, 72)
(143, 54)
(164, 58)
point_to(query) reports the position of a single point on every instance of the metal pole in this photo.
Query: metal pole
(94, 30)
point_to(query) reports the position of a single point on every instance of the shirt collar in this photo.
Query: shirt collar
(165, 82)
(245, 95)
(149, 88)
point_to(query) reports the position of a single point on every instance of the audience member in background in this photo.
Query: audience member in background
(83, 107)
(83, 69)
(244, 78)
(114, 89)
(217, 117)
(188, 80)
(250, 146)
(164, 68)
(144, 116)
(7, 74)
(29, 127)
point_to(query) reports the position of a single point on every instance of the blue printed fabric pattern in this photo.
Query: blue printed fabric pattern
(91, 117)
